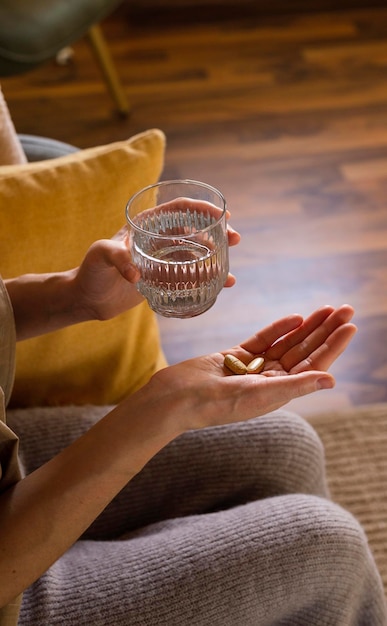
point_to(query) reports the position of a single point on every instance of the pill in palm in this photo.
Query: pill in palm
(234, 364)
(256, 365)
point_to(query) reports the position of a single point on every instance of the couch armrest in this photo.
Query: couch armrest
(41, 148)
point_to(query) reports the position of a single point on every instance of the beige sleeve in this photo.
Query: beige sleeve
(9, 463)
(10, 471)
(11, 150)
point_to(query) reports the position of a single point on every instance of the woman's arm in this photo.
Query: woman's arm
(43, 514)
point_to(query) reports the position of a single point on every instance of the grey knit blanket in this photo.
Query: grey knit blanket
(228, 526)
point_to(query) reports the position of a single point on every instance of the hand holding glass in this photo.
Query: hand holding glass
(178, 241)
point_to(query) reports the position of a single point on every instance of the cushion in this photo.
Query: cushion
(51, 211)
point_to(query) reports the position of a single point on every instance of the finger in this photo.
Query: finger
(230, 281)
(323, 357)
(264, 339)
(233, 236)
(112, 253)
(313, 333)
(274, 392)
(317, 337)
(182, 204)
(292, 339)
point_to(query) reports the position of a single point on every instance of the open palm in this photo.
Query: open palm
(297, 356)
(291, 346)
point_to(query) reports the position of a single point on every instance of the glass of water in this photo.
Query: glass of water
(178, 240)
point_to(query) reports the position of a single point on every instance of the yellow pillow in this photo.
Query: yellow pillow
(50, 213)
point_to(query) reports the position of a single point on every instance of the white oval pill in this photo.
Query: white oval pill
(256, 365)
(234, 365)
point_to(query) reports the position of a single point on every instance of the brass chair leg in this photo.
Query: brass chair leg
(103, 56)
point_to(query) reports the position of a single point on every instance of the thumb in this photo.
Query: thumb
(282, 389)
(116, 254)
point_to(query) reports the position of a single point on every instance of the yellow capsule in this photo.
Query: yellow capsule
(234, 365)
(256, 365)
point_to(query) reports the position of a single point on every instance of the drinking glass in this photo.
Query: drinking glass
(178, 241)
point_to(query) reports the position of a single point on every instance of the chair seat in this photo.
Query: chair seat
(33, 31)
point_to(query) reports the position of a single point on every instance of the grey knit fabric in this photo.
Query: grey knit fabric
(228, 526)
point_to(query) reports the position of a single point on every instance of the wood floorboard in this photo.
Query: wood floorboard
(284, 108)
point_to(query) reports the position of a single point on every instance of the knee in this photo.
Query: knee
(276, 454)
(317, 556)
(326, 524)
(291, 454)
(330, 543)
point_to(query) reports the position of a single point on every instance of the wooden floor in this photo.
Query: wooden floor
(285, 112)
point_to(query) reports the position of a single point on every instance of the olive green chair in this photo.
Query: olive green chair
(35, 31)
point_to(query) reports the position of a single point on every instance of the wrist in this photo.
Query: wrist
(139, 427)
(42, 302)
(173, 399)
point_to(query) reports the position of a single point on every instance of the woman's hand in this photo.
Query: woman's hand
(297, 356)
(105, 282)
(103, 286)
(313, 345)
